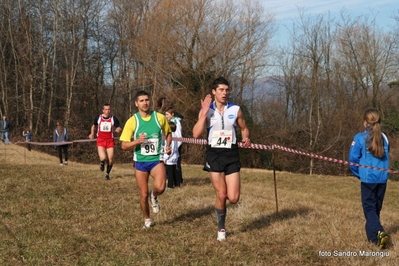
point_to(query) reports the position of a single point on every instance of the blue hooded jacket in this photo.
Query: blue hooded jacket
(60, 137)
(359, 153)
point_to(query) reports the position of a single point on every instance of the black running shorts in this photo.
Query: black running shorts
(222, 160)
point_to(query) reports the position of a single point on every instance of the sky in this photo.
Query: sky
(287, 10)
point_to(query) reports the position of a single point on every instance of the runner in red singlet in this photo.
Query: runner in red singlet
(105, 124)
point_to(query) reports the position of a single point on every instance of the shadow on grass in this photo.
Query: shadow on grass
(192, 215)
(266, 220)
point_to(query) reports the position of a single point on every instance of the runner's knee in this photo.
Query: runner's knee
(234, 199)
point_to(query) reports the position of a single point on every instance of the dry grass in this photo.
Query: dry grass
(54, 215)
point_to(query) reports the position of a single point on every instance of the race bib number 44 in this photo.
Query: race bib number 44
(149, 147)
(222, 139)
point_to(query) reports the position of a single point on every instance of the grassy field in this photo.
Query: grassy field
(69, 215)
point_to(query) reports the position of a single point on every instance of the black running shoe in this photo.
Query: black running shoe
(102, 167)
(107, 177)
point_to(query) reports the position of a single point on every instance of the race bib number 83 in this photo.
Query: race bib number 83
(222, 139)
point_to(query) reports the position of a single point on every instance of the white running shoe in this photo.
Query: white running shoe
(154, 203)
(221, 235)
(147, 223)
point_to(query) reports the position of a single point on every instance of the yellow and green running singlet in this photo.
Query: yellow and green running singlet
(151, 149)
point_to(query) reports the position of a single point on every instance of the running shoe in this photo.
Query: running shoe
(66, 162)
(382, 239)
(147, 223)
(154, 203)
(102, 167)
(107, 177)
(221, 235)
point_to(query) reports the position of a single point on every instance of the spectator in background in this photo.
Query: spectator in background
(28, 137)
(170, 114)
(163, 105)
(5, 127)
(171, 161)
(371, 148)
(60, 135)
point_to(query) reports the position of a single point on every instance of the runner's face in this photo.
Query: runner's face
(221, 93)
(143, 103)
(106, 111)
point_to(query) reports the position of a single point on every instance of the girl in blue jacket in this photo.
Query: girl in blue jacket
(371, 148)
(60, 134)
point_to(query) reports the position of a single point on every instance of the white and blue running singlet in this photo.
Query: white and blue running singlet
(221, 127)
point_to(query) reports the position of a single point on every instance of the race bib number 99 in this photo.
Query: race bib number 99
(222, 139)
(149, 147)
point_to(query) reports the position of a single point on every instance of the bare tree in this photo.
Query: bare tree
(306, 67)
(125, 22)
(188, 43)
(25, 62)
(7, 51)
(368, 54)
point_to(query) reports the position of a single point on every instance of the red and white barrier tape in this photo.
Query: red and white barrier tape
(44, 143)
(252, 146)
(333, 160)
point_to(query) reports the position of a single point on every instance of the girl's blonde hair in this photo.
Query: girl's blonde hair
(374, 141)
